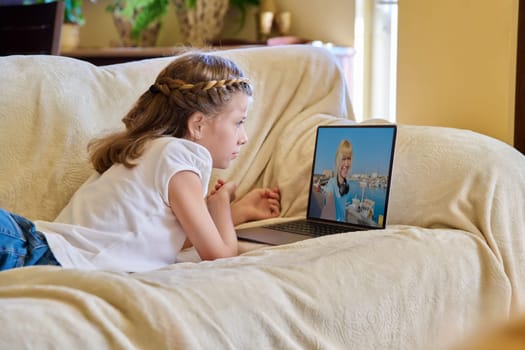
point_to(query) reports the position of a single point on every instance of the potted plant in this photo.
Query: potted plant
(73, 18)
(138, 21)
(72, 10)
(201, 21)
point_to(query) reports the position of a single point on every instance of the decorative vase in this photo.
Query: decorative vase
(69, 36)
(147, 38)
(264, 25)
(268, 6)
(201, 24)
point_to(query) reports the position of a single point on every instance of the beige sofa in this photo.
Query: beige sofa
(452, 256)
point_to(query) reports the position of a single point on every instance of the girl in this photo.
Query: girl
(147, 199)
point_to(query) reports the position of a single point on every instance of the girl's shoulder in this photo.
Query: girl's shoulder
(169, 144)
(180, 150)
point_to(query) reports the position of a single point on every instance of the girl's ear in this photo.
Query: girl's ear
(195, 125)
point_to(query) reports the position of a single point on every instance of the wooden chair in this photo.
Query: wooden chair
(31, 29)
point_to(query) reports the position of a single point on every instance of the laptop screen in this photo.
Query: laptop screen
(351, 173)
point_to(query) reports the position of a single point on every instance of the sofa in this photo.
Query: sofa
(451, 259)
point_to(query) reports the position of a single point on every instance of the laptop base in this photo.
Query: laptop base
(269, 236)
(277, 234)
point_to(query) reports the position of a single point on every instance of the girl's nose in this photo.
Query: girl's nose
(243, 137)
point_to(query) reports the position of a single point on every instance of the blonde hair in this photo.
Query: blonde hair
(345, 149)
(193, 82)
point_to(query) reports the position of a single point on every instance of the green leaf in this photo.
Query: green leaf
(151, 12)
(190, 3)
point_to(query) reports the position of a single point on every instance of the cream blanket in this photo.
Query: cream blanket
(451, 258)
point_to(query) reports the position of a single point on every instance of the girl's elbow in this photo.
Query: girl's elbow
(225, 252)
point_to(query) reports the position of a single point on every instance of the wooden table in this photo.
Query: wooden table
(111, 55)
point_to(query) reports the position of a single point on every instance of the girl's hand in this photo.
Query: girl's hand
(218, 185)
(224, 190)
(258, 204)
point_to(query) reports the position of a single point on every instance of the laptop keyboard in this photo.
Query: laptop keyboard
(310, 228)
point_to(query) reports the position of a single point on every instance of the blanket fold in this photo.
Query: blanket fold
(364, 290)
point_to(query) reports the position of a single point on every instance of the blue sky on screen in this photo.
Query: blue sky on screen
(371, 146)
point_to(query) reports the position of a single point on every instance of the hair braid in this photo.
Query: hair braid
(194, 95)
(167, 85)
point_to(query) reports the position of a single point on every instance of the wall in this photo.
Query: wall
(456, 64)
(329, 21)
(456, 59)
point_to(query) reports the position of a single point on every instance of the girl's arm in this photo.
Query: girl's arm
(208, 226)
(258, 204)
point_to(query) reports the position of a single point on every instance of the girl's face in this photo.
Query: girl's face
(224, 134)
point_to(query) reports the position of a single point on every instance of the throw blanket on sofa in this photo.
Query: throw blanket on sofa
(451, 258)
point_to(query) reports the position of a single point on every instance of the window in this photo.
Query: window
(375, 59)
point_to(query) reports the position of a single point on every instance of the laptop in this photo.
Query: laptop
(349, 185)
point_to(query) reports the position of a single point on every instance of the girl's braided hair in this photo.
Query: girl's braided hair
(193, 82)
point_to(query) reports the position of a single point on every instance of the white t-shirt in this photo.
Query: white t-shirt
(121, 220)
